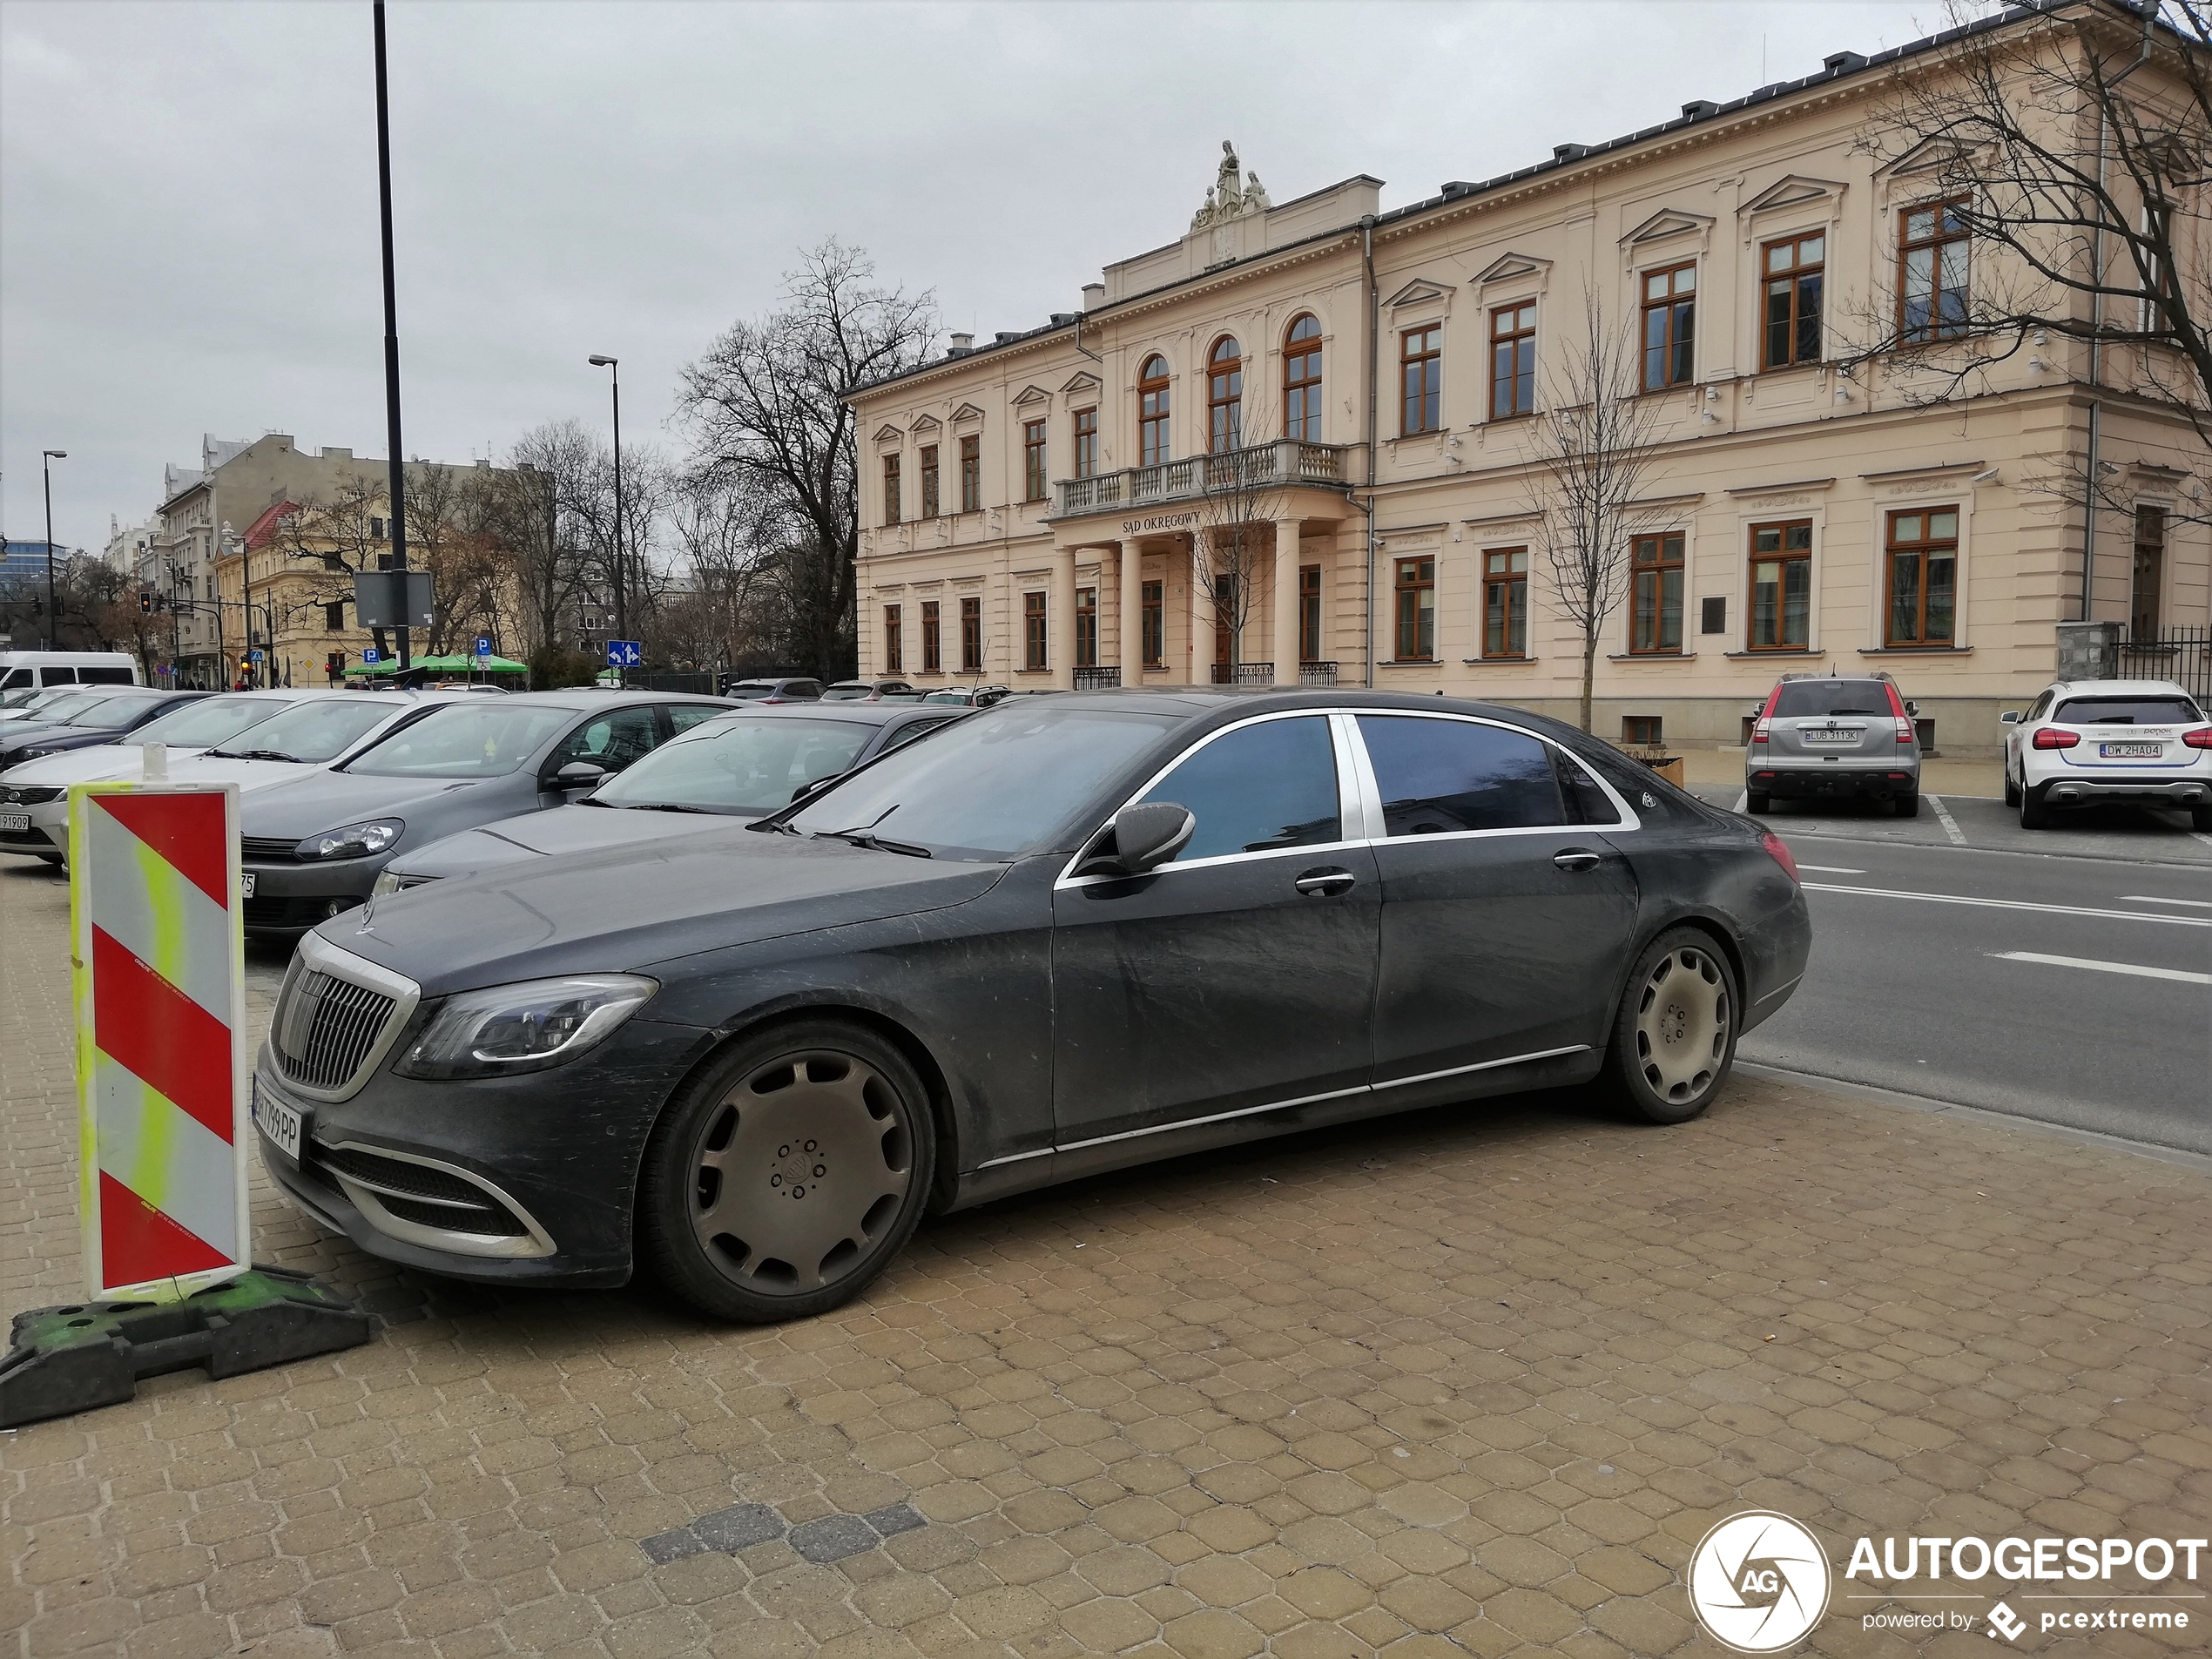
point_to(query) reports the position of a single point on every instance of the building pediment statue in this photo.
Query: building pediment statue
(1233, 195)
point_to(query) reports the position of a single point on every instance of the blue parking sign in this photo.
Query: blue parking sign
(371, 654)
(483, 644)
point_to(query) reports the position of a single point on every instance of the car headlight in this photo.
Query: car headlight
(527, 1027)
(389, 881)
(354, 840)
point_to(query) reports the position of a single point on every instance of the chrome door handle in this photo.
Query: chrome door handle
(1578, 858)
(1324, 883)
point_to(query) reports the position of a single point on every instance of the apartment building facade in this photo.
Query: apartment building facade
(1303, 443)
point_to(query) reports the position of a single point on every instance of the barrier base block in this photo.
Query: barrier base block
(68, 1360)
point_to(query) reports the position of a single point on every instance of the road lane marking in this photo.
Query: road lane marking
(2125, 898)
(1950, 824)
(2012, 904)
(2102, 967)
(1740, 801)
(1831, 869)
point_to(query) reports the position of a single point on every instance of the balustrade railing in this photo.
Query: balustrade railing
(1227, 478)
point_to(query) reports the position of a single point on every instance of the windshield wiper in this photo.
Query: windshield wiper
(773, 827)
(874, 842)
(658, 806)
(257, 754)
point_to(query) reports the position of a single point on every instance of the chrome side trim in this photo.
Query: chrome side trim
(1779, 990)
(365, 1199)
(1484, 1065)
(1279, 1105)
(321, 955)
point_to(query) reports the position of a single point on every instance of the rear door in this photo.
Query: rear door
(1507, 914)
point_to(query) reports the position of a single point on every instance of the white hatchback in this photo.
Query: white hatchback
(2083, 741)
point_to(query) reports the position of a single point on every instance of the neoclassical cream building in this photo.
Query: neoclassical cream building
(1032, 506)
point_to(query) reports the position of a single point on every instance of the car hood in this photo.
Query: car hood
(629, 906)
(317, 800)
(95, 764)
(248, 775)
(564, 829)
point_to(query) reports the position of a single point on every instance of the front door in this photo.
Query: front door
(1505, 925)
(1239, 976)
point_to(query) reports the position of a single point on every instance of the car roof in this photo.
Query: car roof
(580, 699)
(880, 713)
(2120, 688)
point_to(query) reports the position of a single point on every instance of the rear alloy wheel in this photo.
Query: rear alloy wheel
(786, 1178)
(1674, 1038)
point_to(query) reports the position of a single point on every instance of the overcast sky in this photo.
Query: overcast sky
(188, 191)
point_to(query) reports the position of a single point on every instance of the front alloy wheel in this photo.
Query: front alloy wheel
(1674, 1039)
(787, 1178)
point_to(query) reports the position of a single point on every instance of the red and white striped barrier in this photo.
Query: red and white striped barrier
(159, 982)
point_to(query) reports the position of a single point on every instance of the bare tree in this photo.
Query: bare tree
(334, 535)
(1594, 451)
(765, 403)
(538, 509)
(2075, 151)
(1239, 494)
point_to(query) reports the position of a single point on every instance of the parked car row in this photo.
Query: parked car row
(744, 1005)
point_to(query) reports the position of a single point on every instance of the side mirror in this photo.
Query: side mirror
(2010, 716)
(578, 774)
(813, 786)
(1911, 707)
(1140, 839)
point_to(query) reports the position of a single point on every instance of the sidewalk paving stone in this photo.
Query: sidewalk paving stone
(1470, 1381)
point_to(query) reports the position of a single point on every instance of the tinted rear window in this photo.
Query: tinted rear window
(2128, 710)
(105, 677)
(1439, 776)
(1801, 699)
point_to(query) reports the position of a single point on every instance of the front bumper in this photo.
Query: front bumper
(504, 1180)
(1832, 782)
(289, 899)
(2070, 789)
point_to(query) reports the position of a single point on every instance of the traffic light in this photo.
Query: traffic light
(145, 603)
(335, 663)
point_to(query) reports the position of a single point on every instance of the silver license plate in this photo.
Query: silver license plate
(15, 820)
(246, 883)
(2131, 750)
(277, 1121)
(1828, 736)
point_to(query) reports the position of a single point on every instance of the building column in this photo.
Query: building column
(1286, 601)
(1060, 618)
(1128, 567)
(1199, 573)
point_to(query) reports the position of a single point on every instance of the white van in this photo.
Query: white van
(24, 671)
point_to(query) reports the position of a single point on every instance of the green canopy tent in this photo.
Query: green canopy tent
(456, 664)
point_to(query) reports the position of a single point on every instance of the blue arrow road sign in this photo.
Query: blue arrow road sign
(623, 653)
(483, 644)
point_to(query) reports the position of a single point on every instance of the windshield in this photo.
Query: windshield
(480, 740)
(321, 729)
(994, 783)
(199, 725)
(2128, 710)
(111, 713)
(57, 712)
(737, 765)
(1803, 699)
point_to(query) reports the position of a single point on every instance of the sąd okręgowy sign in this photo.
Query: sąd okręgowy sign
(1760, 1582)
(158, 964)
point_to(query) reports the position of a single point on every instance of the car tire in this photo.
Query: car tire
(821, 1109)
(2035, 815)
(1759, 806)
(1674, 1034)
(2012, 789)
(1907, 805)
(2201, 819)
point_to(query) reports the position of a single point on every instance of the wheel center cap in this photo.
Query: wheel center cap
(799, 1166)
(1673, 1023)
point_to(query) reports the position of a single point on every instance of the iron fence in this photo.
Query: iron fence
(2182, 655)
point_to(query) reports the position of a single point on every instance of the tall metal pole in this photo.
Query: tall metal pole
(245, 589)
(613, 366)
(46, 458)
(397, 488)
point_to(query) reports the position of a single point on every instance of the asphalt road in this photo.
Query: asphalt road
(2063, 976)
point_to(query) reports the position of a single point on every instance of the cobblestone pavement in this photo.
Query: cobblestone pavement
(1468, 1381)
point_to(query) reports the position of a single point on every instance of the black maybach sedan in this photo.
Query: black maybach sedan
(1062, 935)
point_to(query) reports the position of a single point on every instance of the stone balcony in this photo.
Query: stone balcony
(1229, 480)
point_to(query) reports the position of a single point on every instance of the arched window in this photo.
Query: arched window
(1302, 381)
(1152, 411)
(1225, 396)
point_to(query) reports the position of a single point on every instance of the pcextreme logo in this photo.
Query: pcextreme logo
(1759, 1582)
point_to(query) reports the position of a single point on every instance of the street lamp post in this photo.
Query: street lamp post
(46, 457)
(246, 580)
(614, 381)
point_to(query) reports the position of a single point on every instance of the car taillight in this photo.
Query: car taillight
(1759, 732)
(1904, 730)
(2053, 737)
(2200, 738)
(1779, 854)
(1896, 708)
